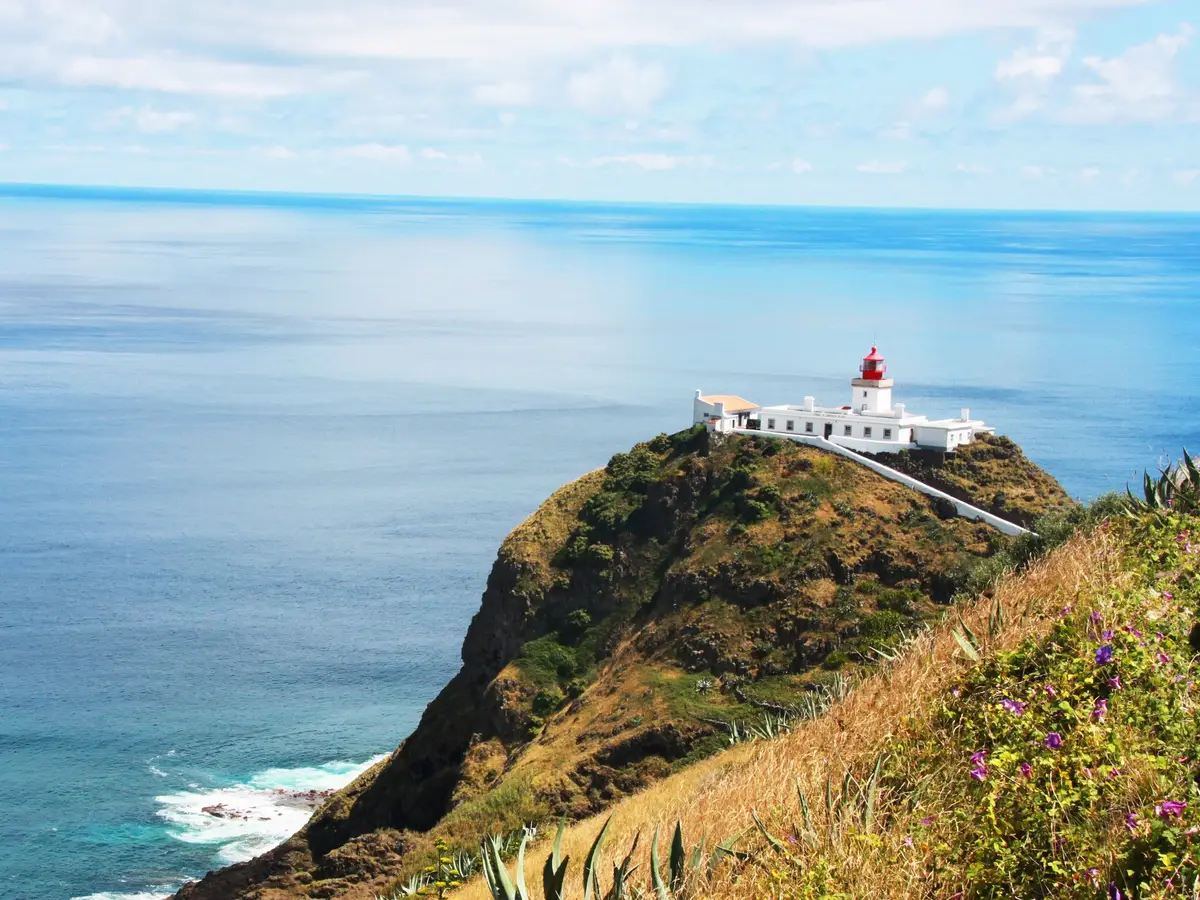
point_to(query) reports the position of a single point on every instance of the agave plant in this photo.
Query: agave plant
(685, 869)
(1176, 487)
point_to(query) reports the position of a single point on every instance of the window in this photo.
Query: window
(770, 424)
(887, 434)
(867, 431)
(808, 427)
(791, 426)
(848, 431)
(864, 393)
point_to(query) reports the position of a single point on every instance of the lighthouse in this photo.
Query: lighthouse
(871, 391)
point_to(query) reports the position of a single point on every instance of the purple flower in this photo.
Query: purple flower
(1114, 892)
(1106, 635)
(908, 842)
(1087, 772)
(1101, 709)
(977, 757)
(1093, 875)
(1016, 707)
(1027, 770)
(928, 820)
(1133, 631)
(1181, 537)
(1163, 658)
(1096, 617)
(955, 692)
(1103, 654)
(1054, 740)
(979, 773)
(1115, 682)
(1167, 595)
(1066, 610)
(1113, 773)
(1131, 821)
(1050, 691)
(1169, 809)
(1158, 636)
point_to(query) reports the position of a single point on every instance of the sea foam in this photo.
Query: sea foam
(247, 818)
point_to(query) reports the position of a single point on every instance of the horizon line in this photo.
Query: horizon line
(59, 190)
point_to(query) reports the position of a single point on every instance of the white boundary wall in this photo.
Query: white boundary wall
(964, 509)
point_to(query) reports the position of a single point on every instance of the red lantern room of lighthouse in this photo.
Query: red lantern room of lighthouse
(872, 389)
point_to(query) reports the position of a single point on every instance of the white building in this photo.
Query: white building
(870, 423)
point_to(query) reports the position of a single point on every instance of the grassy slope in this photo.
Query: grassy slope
(640, 716)
(636, 611)
(1085, 819)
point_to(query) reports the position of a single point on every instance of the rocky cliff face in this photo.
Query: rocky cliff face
(636, 611)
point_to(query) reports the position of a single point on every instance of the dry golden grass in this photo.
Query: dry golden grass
(534, 542)
(716, 797)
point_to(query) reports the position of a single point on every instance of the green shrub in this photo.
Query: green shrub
(546, 662)
(835, 660)
(546, 701)
(751, 511)
(579, 620)
(882, 625)
(599, 555)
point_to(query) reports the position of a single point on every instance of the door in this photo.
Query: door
(828, 431)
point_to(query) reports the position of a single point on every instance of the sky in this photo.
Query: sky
(1068, 104)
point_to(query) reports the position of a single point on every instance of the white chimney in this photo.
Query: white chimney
(699, 393)
(809, 403)
(966, 414)
(898, 409)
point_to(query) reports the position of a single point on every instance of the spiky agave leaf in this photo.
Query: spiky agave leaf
(591, 874)
(495, 873)
(678, 860)
(656, 879)
(776, 844)
(554, 873)
(872, 793)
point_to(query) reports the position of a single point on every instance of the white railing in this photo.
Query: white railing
(964, 509)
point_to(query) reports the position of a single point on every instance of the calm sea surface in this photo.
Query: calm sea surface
(256, 454)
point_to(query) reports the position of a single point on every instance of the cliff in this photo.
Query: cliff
(639, 608)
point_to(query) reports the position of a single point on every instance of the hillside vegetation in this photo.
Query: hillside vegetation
(1040, 742)
(689, 597)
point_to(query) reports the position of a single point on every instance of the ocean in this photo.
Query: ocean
(257, 451)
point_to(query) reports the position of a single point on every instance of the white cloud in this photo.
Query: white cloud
(801, 166)
(883, 167)
(1030, 73)
(503, 93)
(279, 152)
(973, 169)
(1089, 173)
(620, 86)
(1136, 86)
(153, 121)
(432, 154)
(900, 131)
(1035, 172)
(392, 153)
(936, 100)
(654, 162)
(1187, 177)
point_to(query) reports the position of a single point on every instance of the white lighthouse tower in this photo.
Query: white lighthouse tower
(872, 390)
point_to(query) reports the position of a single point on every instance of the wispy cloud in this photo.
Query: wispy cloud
(1136, 86)
(883, 167)
(620, 86)
(397, 154)
(654, 162)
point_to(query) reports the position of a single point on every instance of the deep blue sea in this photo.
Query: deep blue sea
(257, 452)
